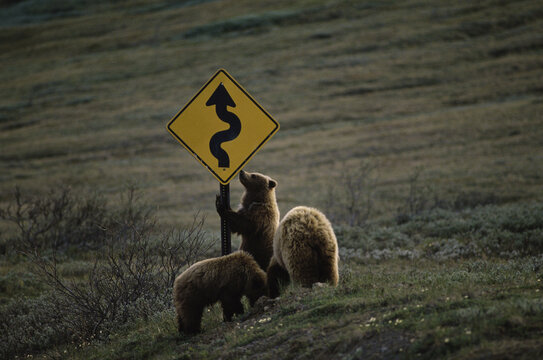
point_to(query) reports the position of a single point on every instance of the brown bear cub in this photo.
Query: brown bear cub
(225, 279)
(304, 249)
(256, 218)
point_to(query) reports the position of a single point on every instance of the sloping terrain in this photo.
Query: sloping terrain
(451, 89)
(416, 126)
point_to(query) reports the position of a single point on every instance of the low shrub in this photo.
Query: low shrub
(497, 230)
(127, 274)
(30, 325)
(17, 283)
(505, 231)
(372, 237)
(349, 195)
(60, 220)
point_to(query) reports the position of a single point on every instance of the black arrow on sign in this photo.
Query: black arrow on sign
(221, 99)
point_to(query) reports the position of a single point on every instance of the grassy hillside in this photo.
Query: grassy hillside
(445, 284)
(416, 126)
(452, 89)
(392, 310)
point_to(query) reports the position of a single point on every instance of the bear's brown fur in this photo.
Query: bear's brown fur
(256, 218)
(225, 279)
(304, 250)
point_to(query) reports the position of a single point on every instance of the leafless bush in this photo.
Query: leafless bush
(133, 268)
(420, 198)
(59, 219)
(56, 220)
(349, 196)
(179, 247)
(416, 201)
(131, 278)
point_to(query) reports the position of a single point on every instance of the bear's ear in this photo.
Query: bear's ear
(272, 183)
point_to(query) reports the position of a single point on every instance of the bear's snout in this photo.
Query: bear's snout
(242, 177)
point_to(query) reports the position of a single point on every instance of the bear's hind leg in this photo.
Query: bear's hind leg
(304, 267)
(180, 326)
(278, 278)
(329, 271)
(192, 319)
(231, 306)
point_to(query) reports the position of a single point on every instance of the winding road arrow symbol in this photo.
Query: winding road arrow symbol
(221, 99)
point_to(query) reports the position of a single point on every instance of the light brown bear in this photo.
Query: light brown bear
(304, 250)
(225, 279)
(256, 218)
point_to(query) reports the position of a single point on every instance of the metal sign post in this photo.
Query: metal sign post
(226, 245)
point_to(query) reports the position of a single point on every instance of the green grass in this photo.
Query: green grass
(450, 88)
(419, 309)
(394, 299)
(446, 93)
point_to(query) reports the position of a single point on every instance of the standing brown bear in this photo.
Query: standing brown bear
(225, 279)
(256, 218)
(304, 250)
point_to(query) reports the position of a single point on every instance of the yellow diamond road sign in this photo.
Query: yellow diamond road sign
(223, 126)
